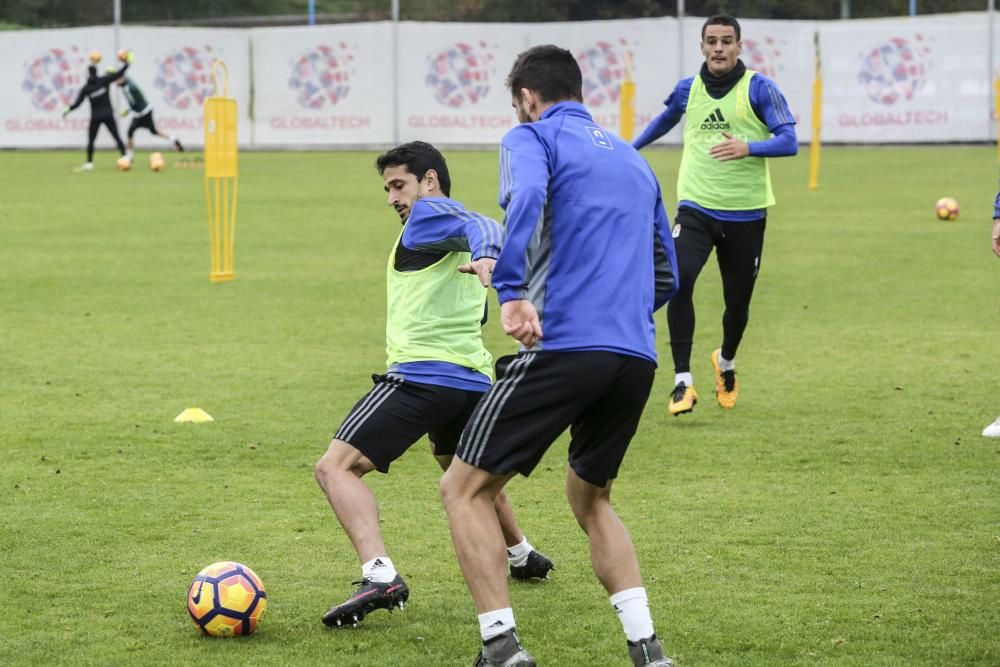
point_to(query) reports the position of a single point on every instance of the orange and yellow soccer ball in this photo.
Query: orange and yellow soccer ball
(946, 208)
(123, 163)
(156, 162)
(226, 599)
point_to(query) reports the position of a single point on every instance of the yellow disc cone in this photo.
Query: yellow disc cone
(194, 415)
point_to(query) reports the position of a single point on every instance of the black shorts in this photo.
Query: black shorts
(145, 120)
(397, 413)
(599, 396)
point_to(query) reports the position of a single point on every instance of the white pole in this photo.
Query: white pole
(118, 22)
(680, 40)
(395, 71)
(990, 74)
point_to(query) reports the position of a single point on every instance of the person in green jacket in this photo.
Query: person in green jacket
(142, 113)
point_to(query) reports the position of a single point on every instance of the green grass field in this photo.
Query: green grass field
(847, 512)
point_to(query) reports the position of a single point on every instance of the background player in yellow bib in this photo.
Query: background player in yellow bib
(438, 369)
(736, 119)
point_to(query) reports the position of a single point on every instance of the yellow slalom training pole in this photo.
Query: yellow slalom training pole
(626, 102)
(817, 119)
(221, 176)
(996, 111)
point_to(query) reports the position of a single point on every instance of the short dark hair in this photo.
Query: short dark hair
(721, 19)
(549, 71)
(417, 157)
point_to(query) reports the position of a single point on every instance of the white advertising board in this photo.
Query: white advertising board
(451, 81)
(46, 69)
(323, 85)
(906, 80)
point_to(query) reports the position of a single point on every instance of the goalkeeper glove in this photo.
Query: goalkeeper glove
(124, 113)
(66, 111)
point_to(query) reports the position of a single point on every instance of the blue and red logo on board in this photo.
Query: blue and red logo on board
(460, 74)
(602, 65)
(185, 76)
(763, 55)
(895, 70)
(322, 75)
(53, 78)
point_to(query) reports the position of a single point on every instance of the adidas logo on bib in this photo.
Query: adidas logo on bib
(715, 121)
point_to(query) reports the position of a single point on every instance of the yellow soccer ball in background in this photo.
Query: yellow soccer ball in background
(124, 163)
(156, 162)
(946, 208)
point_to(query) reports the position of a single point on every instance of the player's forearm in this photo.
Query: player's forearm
(114, 76)
(77, 102)
(657, 128)
(439, 225)
(475, 242)
(524, 214)
(664, 260)
(784, 143)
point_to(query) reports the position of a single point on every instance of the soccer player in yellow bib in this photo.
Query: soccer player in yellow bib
(736, 120)
(438, 369)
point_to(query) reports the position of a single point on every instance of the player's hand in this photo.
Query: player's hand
(482, 267)
(519, 320)
(996, 236)
(66, 111)
(730, 149)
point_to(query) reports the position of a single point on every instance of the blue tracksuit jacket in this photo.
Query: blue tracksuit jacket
(588, 240)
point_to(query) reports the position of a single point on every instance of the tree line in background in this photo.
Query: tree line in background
(66, 13)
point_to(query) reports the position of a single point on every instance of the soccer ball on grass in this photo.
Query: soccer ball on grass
(156, 162)
(226, 599)
(946, 208)
(124, 163)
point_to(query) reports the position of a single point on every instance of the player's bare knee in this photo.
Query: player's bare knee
(448, 488)
(340, 458)
(456, 486)
(588, 504)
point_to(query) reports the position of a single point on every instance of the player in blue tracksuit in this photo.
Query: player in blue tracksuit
(572, 248)
(587, 260)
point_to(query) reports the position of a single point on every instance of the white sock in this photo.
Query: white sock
(632, 608)
(517, 555)
(495, 622)
(726, 364)
(379, 569)
(686, 378)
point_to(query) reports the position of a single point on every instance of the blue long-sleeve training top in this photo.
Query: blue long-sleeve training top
(770, 107)
(440, 225)
(996, 207)
(588, 240)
